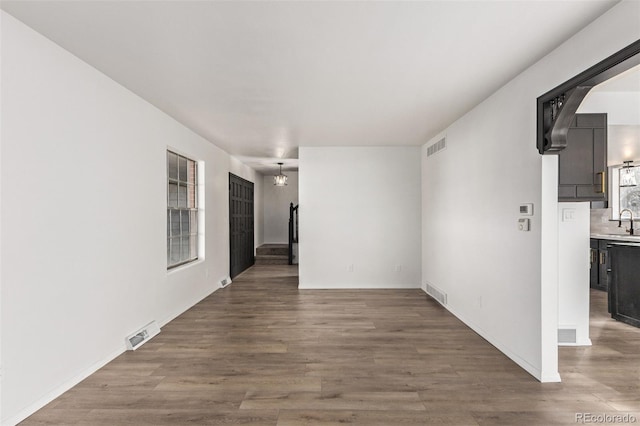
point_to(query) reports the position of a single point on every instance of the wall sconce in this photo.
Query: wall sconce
(280, 179)
(627, 175)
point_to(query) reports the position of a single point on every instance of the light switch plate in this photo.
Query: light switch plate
(568, 215)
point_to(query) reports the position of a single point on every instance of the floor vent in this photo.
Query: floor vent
(141, 336)
(437, 294)
(225, 282)
(567, 335)
(436, 147)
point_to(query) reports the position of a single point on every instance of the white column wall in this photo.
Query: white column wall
(573, 267)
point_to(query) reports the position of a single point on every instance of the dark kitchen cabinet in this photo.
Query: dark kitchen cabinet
(604, 265)
(600, 265)
(582, 165)
(593, 270)
(624, 292)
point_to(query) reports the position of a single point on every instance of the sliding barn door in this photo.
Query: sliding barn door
(240, 224)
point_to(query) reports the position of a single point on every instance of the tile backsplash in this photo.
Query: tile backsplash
(601, 223)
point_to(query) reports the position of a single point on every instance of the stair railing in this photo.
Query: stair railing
(293, 230)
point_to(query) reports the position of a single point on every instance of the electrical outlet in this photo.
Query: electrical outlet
(350, 268)
(398, 268)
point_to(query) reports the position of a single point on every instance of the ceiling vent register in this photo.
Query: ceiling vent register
(436, 147)
(437, 294)
(142, 336)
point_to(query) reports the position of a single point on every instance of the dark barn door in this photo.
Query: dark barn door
(240, 224)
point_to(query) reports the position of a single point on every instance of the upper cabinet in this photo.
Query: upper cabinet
(583, 163)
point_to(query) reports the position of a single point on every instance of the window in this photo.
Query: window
(182, 210)
(623, 195)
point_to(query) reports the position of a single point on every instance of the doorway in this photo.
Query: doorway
(241, 225)
(556, 118)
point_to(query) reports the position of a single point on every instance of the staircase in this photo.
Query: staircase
(272, 254)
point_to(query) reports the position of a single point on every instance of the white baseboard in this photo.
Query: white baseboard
(550, 378)
(54, 393)
(523, 363)
(583, 342)
(358, 286)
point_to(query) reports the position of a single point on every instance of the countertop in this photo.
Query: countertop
(617, 237)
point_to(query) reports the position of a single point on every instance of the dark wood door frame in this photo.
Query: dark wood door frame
(557, 108)
(241, 225)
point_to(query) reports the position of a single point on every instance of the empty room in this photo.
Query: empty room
(319, 212)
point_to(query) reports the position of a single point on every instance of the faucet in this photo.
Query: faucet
(630, 230)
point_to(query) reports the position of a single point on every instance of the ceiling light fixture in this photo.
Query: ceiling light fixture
(280, 179)
(627, 175)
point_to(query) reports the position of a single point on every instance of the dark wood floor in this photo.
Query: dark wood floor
(262, 352)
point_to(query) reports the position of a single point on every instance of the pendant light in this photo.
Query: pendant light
(627, 175)
(280, 179)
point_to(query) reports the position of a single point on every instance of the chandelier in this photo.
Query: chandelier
(627, 175)
(280, 179)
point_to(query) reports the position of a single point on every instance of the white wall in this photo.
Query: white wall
(622, 108)
(573, 267)
(1, 204)
(359, 207)
(83, 165)
(276, 207)
(623, 120)
(500, 281)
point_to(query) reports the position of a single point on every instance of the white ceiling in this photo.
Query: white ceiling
(259, 79)
(628, 81)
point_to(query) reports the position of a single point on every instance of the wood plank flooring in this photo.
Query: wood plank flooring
(262, 352)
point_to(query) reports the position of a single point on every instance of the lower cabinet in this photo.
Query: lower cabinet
(594, 277)
(600, 265)
(624, 291)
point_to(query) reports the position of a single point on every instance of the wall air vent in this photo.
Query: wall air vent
(140, 337)
(436, 147)
(439, 295)
(567, 335)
